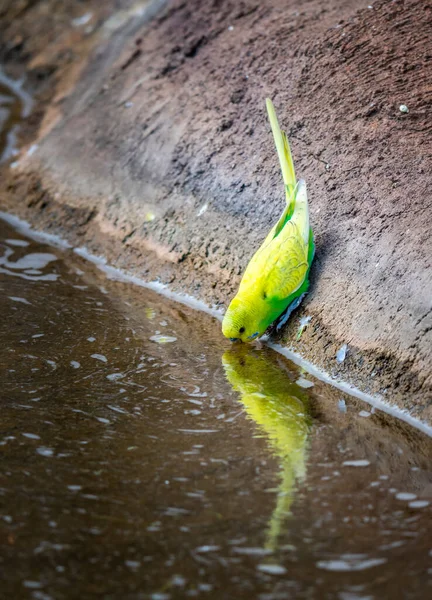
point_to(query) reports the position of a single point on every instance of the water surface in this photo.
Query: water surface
(142, 456)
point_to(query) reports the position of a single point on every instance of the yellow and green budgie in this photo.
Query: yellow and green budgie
(276, 278)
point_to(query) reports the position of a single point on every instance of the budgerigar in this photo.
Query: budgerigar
(276, 277)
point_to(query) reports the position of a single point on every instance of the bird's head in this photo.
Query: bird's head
(241, 322)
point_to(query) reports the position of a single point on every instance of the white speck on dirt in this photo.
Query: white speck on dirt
(364, 413)
(83, 20)
(341, 353)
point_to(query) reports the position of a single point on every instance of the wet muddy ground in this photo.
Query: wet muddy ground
(144, 457)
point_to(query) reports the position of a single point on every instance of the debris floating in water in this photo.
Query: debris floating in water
(18, 299)
(356, 463)
(163, 339)
(341, 353)
(114, 376)
(31, 436)
(100, 357)
(43, 451)
(349, 563)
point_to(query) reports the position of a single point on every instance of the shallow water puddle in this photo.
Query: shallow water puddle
(144, 457)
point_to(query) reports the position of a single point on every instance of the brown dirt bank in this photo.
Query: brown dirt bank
(155, 151)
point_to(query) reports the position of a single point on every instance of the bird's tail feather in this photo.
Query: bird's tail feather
(283, 150)
(301, 211)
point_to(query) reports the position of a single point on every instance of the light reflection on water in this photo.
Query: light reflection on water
(144, 457)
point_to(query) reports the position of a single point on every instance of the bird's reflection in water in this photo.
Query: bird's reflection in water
(279, 407)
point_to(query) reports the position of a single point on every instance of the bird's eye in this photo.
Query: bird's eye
(242, 330)
(265, 295)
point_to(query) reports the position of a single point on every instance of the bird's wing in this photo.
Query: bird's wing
(286, 263)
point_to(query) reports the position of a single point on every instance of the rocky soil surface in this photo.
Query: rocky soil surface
(153, 149)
